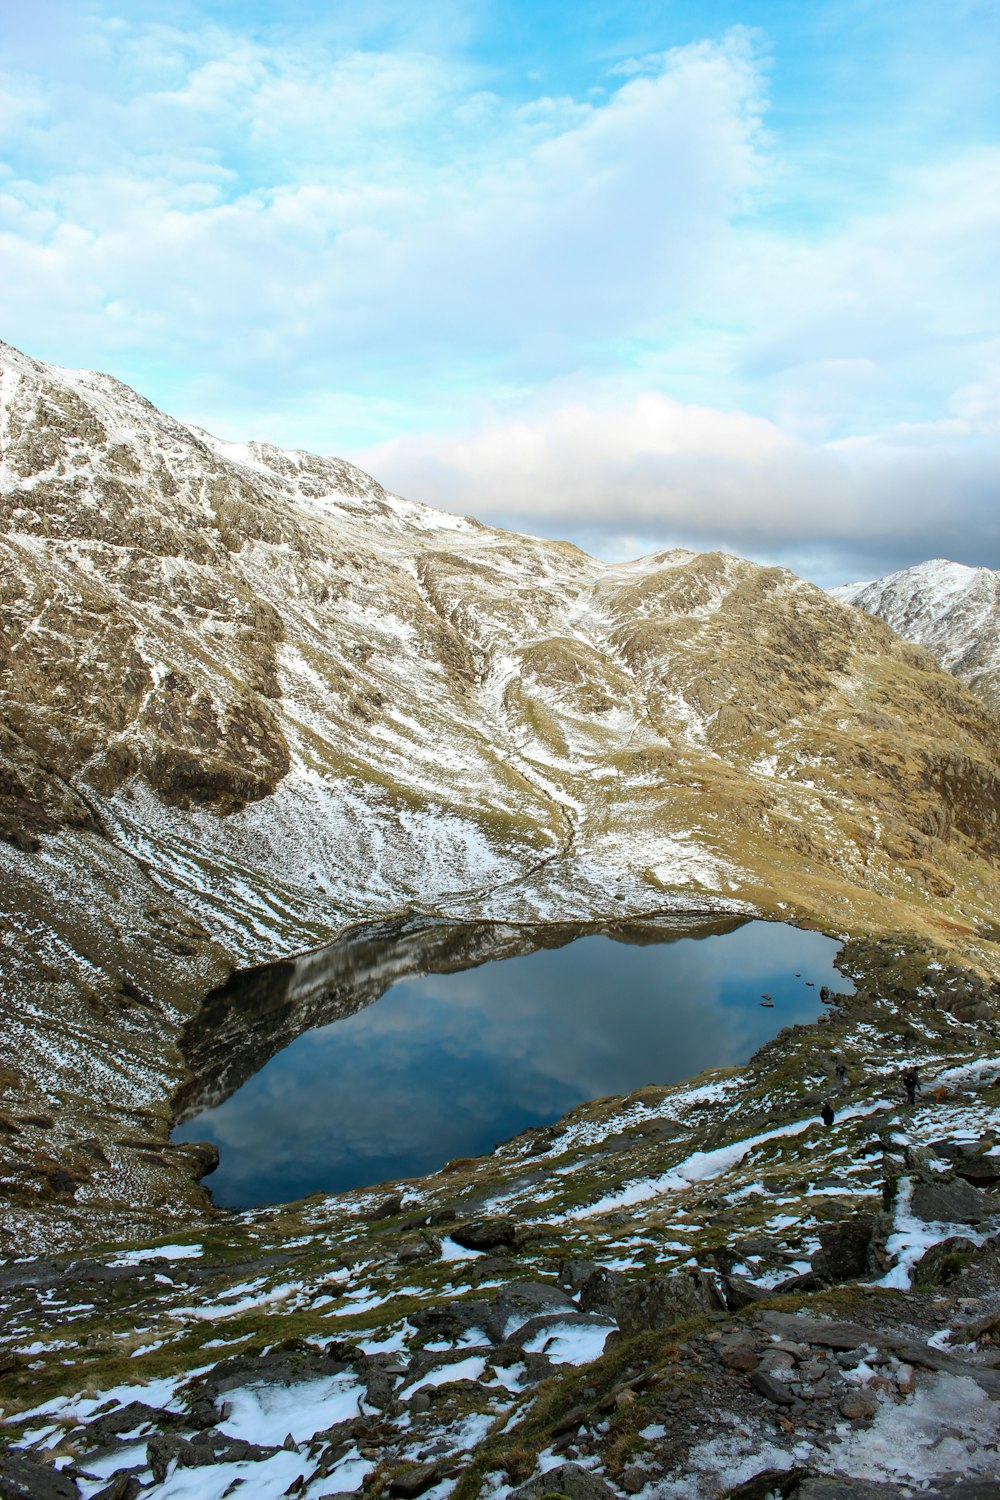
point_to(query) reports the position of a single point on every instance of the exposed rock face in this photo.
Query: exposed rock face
(952, 610)
(249, 697)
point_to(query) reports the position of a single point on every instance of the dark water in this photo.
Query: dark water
(446, 1065)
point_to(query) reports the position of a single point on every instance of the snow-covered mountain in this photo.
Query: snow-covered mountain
(250, 698)
(951, 609)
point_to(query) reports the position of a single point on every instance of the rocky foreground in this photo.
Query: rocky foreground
(685, 1293)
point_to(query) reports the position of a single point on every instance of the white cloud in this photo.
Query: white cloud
(652, 472)
(625, 313)
(327, 209)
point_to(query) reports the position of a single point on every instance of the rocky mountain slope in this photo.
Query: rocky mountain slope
(952, 610)
(250, 698)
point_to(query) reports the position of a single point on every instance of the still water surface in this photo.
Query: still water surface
(446, 1065)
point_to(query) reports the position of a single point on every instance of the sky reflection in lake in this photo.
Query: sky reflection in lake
(447, 1065)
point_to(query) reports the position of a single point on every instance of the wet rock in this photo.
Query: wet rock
(944, 1261)
(956, 1202)
(844, 1247)
(773, 1390)
(21, 1478)
(662, 1301)
(203, 1156)
(565, 1479)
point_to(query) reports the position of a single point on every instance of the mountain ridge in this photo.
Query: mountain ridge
(952, 609)
(251, 699)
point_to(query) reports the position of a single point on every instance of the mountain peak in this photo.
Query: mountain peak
(949, 607)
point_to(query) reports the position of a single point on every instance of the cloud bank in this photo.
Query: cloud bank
(671, 295)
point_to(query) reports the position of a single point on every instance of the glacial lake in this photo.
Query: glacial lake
(443, 1064)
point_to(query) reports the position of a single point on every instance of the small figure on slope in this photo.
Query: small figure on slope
(827, 1114)
(911, 1083)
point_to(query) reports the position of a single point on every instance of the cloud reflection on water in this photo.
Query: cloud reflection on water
(446, 1065)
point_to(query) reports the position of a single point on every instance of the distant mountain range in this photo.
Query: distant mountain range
(951, 609)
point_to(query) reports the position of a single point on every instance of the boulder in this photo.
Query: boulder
(950, 1202)
(122, 1486)
(486, 1234)
(662, 1301)
(773, 1390)
(565, 1479)
(414, 1481)
(844, 1246)
(944, 1261)
(858, 1404)
(21, 1478)
(599, 1289)
(519, 1301)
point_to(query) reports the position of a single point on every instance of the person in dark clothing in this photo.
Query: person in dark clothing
(827, 1114)
(911, 1082)
(841, 1072)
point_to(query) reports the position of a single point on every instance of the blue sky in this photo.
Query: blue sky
(637, 275)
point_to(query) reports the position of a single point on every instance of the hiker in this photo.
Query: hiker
(841, 1073)
(911, 1082)
(827, 1114)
